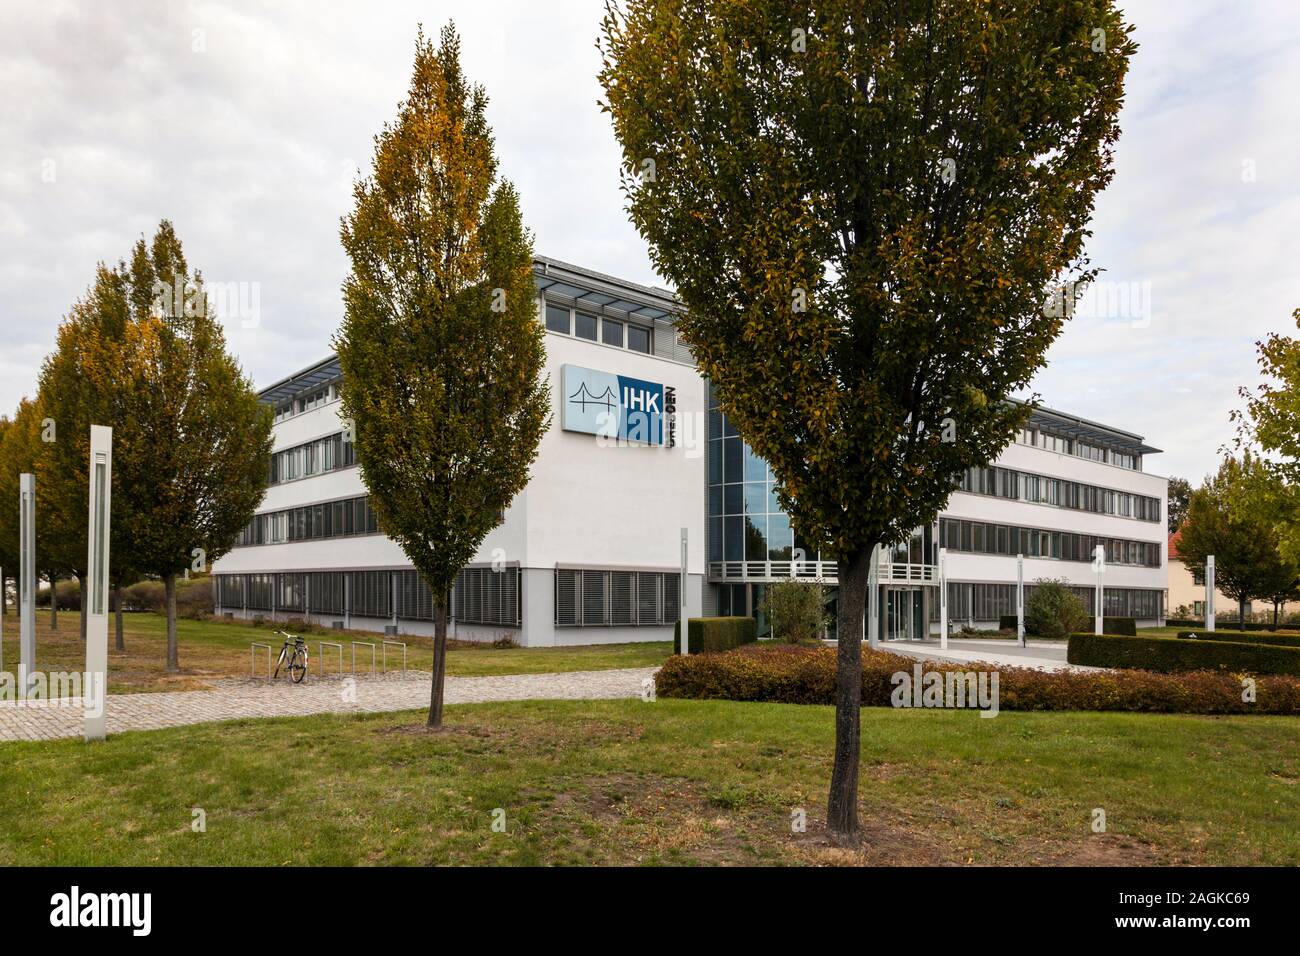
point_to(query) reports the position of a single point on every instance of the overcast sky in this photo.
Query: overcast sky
(244, 123)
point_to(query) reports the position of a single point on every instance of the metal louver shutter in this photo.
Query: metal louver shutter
(510, 597)
(663, 340)
(594, 606)
(566, 597)
(648, 597)
(672, 588)
(622, 593)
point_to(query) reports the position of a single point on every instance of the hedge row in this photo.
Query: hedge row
(707, 635)
(1226, 623)
(1109, 625)
(1165, 655)
(1285, 638)
(804, 675)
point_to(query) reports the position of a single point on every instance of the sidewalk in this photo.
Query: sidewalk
(237, 699)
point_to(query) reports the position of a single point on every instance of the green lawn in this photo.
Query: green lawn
(672, 781)
(220, 648)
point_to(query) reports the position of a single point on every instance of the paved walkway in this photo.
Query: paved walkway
(1040, 655)
(232, 700)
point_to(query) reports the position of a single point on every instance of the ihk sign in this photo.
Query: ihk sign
(617, 407)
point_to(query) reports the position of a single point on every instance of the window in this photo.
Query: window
(595, 598)
(584, 326)
(611, 332)
(557, 319)
(638, 339)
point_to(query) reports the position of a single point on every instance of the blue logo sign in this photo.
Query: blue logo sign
(614, 406)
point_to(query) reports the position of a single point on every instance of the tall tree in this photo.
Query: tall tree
(862, 203)
(1180, 490)
(440, 347)
(144, 353)
(1221, 521)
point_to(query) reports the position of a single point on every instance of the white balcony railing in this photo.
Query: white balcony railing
(889, 572)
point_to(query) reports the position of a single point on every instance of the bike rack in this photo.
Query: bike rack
(320, 646)
(252, 657)
(388, 644)
(368, 644)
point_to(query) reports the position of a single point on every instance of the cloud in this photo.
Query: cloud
(244, 123)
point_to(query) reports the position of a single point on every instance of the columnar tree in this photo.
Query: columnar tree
(145, 353)
(862, 203)
(440, 347)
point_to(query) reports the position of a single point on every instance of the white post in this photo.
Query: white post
(1098, 563)
(94, 605)
(873, 599)
(681, 594)
(1020, 599)
(1209, 593)
(943, 598)
(27, 581)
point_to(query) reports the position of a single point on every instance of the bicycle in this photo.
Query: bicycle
(293, 655)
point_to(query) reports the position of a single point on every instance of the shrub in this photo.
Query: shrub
(69, 595)
(1053, 610)
(194, 598)
(1166, 655)
(806, 675)
(796, 610)
(710, 634)
(1286, 639)
(144, 596)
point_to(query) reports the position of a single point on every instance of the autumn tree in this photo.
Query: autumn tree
(23, 450)
(1227, 518)
(144, 353)
(1180, 491)
(862, 203)
(441, 351)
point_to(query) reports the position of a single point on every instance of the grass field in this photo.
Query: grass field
(622, 782)
(220, 648)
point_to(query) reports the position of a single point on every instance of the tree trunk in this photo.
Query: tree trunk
(173, 656)
(439, 661)
(1241, 614)
(1275, 615)
(842, 806)
(119, 642)
(54, 602)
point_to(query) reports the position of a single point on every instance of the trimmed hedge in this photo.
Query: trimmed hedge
(1227, 624)
(806, 675)
(709, 635)
(1283, 638)
(1168, 656)
(1109, 625)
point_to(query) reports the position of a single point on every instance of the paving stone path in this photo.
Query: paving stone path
(236, 699)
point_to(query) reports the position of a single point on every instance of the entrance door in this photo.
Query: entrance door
(898, 614)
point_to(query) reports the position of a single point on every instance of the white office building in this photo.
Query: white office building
(590, 552)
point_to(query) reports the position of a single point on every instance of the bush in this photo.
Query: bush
(796, 610)
(1168, 656)
(144, 596)
(69, 595)
(710, 634)
(806, 675)
(1227, 624)
(194, 597)
(1052, 610)
(1286, 639)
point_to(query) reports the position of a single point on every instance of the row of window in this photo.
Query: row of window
(332, 519)
(305, 403)
(581, 325)
(988, 602)
(313, 458)
(480, 596)
(978, 537)
(1040, 489)
(1042, 438)
(590, 598)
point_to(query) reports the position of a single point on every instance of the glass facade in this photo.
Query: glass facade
(745, 521)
